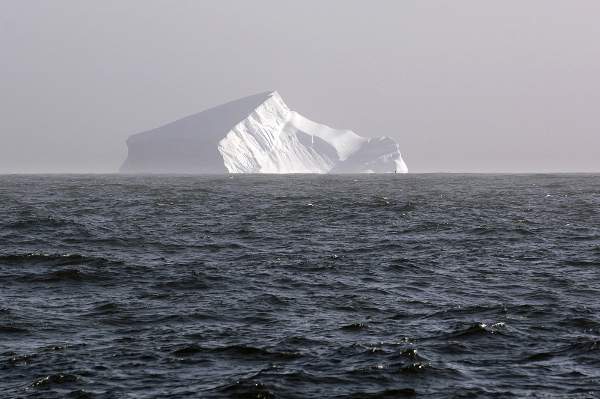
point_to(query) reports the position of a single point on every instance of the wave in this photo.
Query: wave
(240, 351)
(105, 309)
(54, 260)
(12, 329)
(355, 327)
(35, 223)
(583, 347)
(472, 310)
(385, 394)
(477, 330)
(55, 276)
(582, 262)
(17, 360)
(190, 283)
(54, 379)
(57, 268)
(247, 389)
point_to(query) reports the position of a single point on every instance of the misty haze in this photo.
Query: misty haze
(317, 199)
(507, 86)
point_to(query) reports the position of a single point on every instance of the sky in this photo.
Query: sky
(462, 85)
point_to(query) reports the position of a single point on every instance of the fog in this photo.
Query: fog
(464, 86)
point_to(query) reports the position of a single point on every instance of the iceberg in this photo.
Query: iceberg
(258, 134)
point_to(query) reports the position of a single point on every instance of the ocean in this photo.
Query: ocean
(300, 286)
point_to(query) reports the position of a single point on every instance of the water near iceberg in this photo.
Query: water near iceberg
(370, 286)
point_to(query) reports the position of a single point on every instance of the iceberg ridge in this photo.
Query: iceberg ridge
(258, 134)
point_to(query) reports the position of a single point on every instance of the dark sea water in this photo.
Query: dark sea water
(371, 286)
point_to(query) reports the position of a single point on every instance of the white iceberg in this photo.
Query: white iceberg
(258, 134)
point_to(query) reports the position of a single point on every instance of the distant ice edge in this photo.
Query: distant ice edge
(270, 138)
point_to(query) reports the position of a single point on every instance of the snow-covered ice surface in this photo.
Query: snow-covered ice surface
(258, 134)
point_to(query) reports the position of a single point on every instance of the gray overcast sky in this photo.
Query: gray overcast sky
(463, 85)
